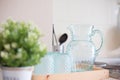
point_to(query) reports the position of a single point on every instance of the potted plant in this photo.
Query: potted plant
(20, 49)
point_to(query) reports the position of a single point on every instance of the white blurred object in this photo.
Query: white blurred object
(115, 53)
(110, 61)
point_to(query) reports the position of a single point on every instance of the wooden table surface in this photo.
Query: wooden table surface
(106, 79)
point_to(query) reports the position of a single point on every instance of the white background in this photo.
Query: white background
(101, 13)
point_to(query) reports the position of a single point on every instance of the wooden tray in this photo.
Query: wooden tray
(96, 74)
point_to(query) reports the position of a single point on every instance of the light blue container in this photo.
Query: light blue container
(46, 65)
(54, 62)
(62, 63)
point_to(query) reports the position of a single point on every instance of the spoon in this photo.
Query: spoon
(63, 38)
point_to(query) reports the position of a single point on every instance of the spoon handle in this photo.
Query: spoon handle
(61, 50)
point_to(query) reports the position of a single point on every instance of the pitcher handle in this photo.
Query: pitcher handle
(100, 33)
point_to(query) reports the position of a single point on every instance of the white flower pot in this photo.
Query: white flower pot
(17, 73)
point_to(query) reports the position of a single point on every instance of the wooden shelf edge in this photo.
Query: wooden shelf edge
(96, 74)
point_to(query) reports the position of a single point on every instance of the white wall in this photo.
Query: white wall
(101, 13)
(38, 11)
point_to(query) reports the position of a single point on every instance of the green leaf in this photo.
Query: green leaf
(19, 41)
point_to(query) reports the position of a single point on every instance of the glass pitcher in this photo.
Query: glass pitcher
(81, 47)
